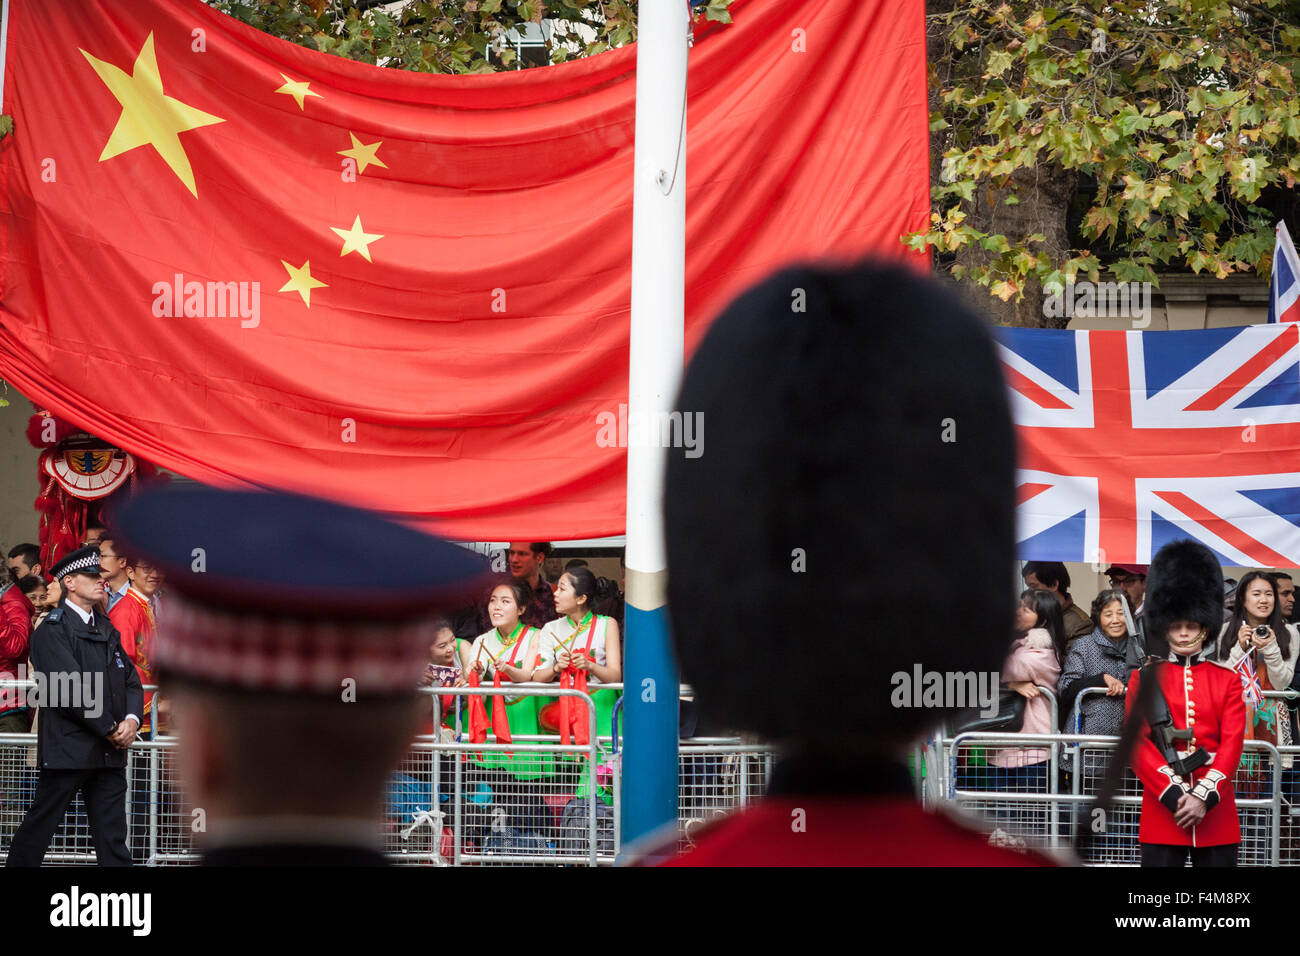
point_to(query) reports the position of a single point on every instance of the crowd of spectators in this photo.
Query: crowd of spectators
(27, 598)
(1096, 664)
(526, 628)
(534, 631)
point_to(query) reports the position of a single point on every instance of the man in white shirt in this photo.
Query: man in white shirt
(113, 571)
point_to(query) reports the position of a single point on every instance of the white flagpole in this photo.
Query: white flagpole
(657, 342)
(4, 48)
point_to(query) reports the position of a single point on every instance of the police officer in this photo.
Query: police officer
(295, 636)
(89, 714)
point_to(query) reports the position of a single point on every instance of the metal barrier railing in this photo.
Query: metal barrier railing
(451, 801)
(933, 751)
(716, 775)
(1076, 712)
(1034, 816)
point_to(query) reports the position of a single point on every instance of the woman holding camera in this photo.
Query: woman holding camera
(1258, 631)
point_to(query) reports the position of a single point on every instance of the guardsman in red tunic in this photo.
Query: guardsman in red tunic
(830, 483)
(1187, 772)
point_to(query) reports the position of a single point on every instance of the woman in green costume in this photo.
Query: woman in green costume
(581, 640)
(511, 649)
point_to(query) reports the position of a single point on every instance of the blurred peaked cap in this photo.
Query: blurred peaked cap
(284, 554)
(280, 593)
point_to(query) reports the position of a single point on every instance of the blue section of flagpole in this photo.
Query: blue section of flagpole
(650, 768)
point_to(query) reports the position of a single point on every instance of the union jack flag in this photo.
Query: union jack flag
(1284, 288)
(1129, 440)
(1252, 691)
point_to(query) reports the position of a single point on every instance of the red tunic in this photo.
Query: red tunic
(1207, 698)
(131, 617)
(883, 830)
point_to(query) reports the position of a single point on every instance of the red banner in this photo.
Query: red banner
(250, 262)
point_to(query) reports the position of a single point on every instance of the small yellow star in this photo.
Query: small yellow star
(298, 90)
(149, 117)
(301, 281)
(355, 240)
(363, 154)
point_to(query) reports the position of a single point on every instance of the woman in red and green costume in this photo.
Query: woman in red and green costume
(510, 650)
(584, 647)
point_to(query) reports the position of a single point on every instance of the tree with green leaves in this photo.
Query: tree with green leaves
(1139, 136)
(447, 36)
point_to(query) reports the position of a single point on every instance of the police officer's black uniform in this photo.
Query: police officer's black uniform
(73, 750)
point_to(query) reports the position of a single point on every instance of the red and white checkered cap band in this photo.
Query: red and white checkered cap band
(290, 655)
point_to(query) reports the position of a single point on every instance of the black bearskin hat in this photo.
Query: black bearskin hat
(860, 449)
(1184, 583)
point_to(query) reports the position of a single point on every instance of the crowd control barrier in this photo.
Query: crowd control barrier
(451, 802)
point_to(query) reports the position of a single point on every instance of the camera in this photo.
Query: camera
(1261, 631)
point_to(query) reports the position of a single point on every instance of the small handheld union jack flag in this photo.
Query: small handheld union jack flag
(1252, 690)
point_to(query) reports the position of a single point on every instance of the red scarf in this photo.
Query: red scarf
(575, 717)
(478, 719)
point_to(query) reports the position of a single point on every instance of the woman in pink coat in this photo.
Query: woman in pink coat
(1035, 660)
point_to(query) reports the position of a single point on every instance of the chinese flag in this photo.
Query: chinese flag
(250, 262)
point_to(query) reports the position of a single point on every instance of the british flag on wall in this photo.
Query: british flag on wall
(1132, 439)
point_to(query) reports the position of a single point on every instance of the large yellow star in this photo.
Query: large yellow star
(301, 281)
(298, 90)
(355, 240)
(149, 117)
(364, 154)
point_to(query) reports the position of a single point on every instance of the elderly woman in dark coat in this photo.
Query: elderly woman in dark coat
(1098, 660)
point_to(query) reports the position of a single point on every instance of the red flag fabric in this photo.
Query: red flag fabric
(572, 715)
(581, 732)
(500, 719)
(565, 707)
(567, 714)
(478, 719)
(250, 262)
